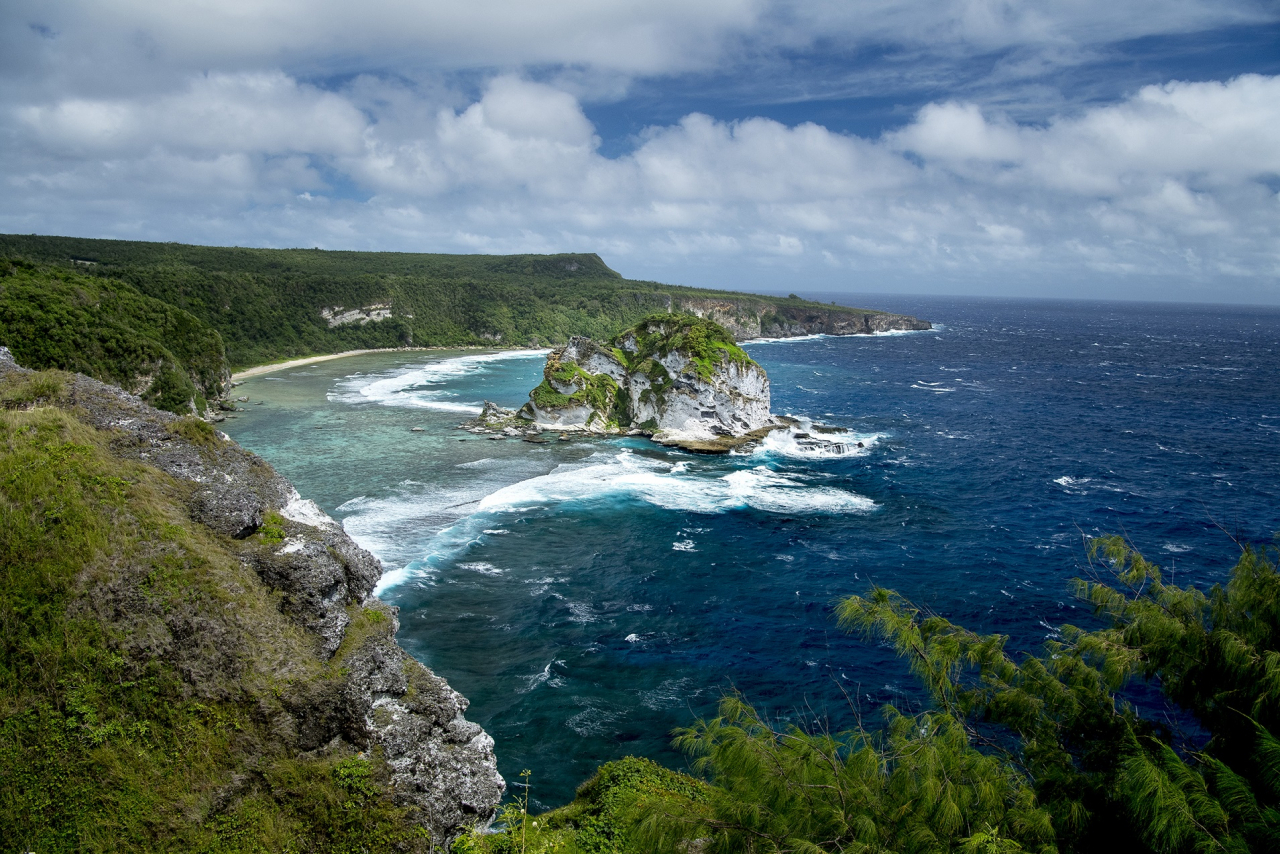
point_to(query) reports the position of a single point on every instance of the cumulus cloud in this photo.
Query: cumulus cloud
(215, 113)
(436, 127)
(1178, 179)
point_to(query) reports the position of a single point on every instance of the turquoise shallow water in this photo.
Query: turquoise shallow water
(588, 596)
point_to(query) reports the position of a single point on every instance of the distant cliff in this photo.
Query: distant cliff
(192, 655)
(749, 317)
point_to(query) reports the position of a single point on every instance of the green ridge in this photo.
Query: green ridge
(266, 303)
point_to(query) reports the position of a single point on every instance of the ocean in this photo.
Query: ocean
(590, 596)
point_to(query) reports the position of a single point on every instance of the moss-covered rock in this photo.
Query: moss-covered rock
(705, 344)
(680, 378)
(190, 655)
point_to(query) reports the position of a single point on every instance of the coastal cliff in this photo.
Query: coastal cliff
(236, 680)
(748, 318)
(678, 378)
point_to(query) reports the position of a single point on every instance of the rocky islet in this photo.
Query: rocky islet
(680, 379)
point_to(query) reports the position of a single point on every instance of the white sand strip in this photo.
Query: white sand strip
(294, 363)
(311, 360)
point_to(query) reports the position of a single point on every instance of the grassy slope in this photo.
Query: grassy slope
(144, 667)
(60, 318)
(266, 302)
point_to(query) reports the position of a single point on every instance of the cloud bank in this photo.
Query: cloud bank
(1170, 190)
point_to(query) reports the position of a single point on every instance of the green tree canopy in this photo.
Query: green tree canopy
(1038, 753)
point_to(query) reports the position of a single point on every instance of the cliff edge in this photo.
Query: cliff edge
(193, 651)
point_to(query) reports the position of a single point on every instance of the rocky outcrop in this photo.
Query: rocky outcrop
(441, 763)
(677, 378)
(747, 318)
(365, 694)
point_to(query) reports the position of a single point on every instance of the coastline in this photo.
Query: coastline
(259, 370)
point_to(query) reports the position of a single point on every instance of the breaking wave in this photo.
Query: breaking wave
(629, 476)
(805, 441)
(421, 387)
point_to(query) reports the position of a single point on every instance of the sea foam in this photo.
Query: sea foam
(824, 443)
(604, 477)
(629, 476)
(418, 388)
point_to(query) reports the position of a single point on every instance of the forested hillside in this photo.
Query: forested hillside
(58, 318)
(271, 304)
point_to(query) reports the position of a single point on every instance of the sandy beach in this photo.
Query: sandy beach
(258, 370)
(295, 363)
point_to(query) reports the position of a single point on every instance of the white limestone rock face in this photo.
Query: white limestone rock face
(442, 765)
(680, 379)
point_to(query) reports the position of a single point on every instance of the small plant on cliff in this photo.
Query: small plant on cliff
(197, 431)
(32, 390)
(600, 818)
(544, 396)
(272, 529)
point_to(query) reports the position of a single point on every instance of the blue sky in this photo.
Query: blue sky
(996, 147)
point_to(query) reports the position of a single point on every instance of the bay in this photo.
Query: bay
(589, 596)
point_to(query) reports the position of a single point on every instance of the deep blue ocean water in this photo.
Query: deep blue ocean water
(589, 596)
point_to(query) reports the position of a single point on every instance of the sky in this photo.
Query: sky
(1077, 149)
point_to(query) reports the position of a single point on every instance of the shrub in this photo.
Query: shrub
(197, 431)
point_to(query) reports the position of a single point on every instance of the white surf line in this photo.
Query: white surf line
(789, 338)
(817, 336)
(259, 370)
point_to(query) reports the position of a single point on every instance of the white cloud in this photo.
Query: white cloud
(1172, 181)
(958, 132)
(215, 113)
(84, 47)
(110, 124)
(987, 25)
(1174, 152)
(634, 36)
